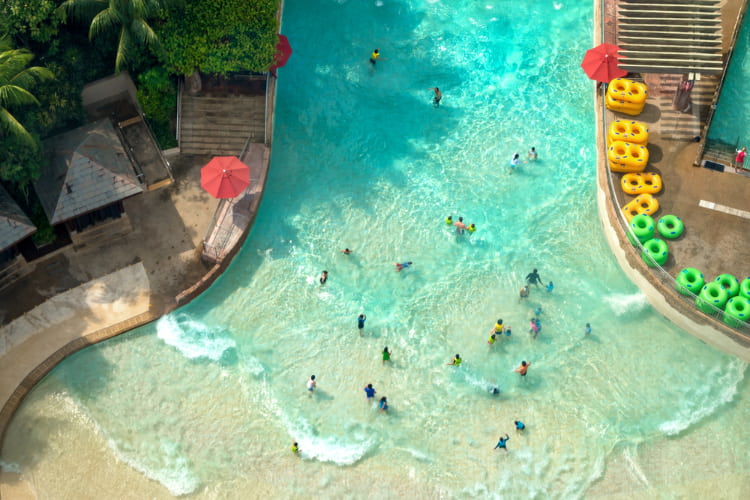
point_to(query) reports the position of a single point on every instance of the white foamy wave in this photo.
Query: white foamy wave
(192, 338)
(623, 303)
(173, 470)
(331, 449)
(703, 400)
(478, 381)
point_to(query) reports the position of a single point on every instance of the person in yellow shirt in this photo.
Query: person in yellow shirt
(374, 57)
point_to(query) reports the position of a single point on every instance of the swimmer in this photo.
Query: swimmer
(449, 220)
(369, 392)
(519, 426)
(460, 226)
(515, 161)
(498, 328)
(501, 442)
(494, 391)
(386, 354)
(295, 447)
(324, 277)
(402, 266)
(491, 340)
(523, 368)
(383, 405)
(534, 330)
(508, 331)
(533, 278)
(361, 323)
(346, 251)
(524, 293)
(311, 384)
(587, 330)
(456, 361)
(532, 155)
(374, 57)
(438, 96)
(538, 311)
(550, 286)
(472, 228)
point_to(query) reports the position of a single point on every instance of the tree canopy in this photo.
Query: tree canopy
(219, 36)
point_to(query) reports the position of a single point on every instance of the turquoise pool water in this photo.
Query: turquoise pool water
(731, 123)
(207, 401)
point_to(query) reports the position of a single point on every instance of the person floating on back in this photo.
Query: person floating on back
(361, 323)
(456, 361)
(502, 443)
(402, 266)
(438, 96)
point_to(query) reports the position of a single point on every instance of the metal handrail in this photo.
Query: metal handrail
(712, 108)
(179, 109)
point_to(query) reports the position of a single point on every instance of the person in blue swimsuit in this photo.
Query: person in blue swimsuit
(587, 330)
(361, 323)
(383, 405)
(519, 425)
(502, 443)
(369, 392)
(402, 266)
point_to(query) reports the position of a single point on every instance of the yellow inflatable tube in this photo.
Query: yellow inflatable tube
(622, 89)
(643, 204)
(646, 182)
(629, 131)
(623, 107)
(627, 157)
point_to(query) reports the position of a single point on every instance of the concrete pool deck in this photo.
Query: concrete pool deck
(715, 241)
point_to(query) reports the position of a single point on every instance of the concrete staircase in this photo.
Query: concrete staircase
(221, 125)
(675, 125)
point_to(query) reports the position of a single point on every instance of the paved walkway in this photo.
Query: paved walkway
(68, 319)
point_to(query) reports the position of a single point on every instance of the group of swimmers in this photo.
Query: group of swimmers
(516, 160)
(460, 225)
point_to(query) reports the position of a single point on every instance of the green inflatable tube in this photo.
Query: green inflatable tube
(730, 284)
(655, 252)
(737, 311)
(643, 228)
(745, 288)
(670, 227)
(690, 280)
(712, 294)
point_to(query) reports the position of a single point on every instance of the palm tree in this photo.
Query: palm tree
(16, 78)
(126, 16)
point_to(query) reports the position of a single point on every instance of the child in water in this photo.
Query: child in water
(386, 355)
(534, 330)
(550, 286)
(401, 266)
(587, 330)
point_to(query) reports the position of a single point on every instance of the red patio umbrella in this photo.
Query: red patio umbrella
(600, 63)
(283, 51)
(225, 177)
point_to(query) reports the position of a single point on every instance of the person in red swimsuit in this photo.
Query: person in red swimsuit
(739, 160)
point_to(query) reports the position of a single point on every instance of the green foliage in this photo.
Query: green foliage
(45, 233)
(30, 20)
(16, 80)
(20, 162)
(157, 95)
(127, 19)
(219, 36)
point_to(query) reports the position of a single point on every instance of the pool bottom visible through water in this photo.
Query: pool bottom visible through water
(207, 401)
